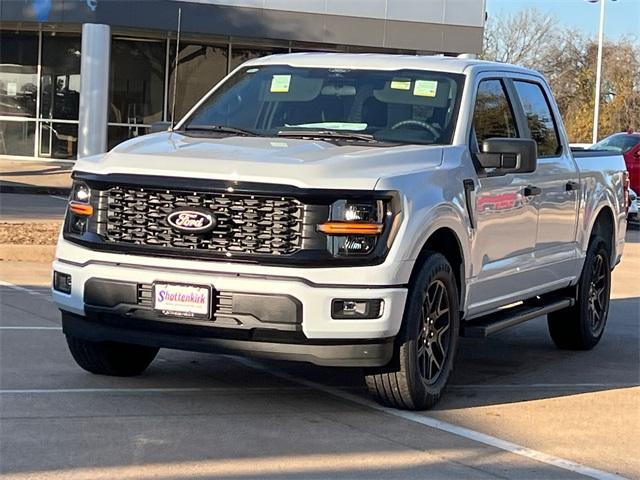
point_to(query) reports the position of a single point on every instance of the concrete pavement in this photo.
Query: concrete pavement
(202, 416)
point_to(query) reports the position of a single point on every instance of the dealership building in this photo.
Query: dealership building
(71, 68)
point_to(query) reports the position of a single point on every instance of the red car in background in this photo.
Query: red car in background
(628, 144)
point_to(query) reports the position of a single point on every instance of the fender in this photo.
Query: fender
(439, 217)
(598, 199)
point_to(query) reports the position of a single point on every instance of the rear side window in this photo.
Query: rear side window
(493, 115)
(539, 117)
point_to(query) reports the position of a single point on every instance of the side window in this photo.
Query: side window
(493, 116)
(539, 117)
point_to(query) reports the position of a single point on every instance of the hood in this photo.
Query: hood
(296, 162)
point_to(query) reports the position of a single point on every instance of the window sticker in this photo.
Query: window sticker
(401, 84)
(425, 88)
(280, 83)
(253, 70)
(12, 89)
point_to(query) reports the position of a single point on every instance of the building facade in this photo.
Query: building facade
(41, 54)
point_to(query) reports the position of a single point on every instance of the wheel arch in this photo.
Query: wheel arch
(604, 226)
(445, 241)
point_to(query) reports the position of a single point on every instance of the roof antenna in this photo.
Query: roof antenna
(175, 72)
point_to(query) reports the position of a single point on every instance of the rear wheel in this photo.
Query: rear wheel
(581, 326)
(111, 358)
(423, 363)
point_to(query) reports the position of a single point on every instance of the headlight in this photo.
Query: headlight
(354, 227)
(80, 208)
(80, 193)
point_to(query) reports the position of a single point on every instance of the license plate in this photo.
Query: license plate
(182, 300)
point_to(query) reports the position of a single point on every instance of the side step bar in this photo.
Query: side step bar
(498, 321)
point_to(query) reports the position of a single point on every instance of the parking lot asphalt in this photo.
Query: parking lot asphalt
(23, 207)
(516, 408)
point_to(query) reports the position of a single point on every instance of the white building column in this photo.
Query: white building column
(94, 89)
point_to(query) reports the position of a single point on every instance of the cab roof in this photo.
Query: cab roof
(376, 61)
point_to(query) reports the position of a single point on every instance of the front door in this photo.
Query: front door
(506, 219)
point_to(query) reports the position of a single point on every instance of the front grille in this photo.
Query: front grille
(245, 224)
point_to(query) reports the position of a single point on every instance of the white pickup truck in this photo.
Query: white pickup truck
(344, 210)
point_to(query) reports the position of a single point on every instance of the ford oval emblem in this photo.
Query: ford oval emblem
(192, 221)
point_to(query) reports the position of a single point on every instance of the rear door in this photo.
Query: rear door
(506, 219)
(557, 179)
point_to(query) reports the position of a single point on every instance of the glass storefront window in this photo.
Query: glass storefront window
(59, 140)
(16, 138)
(18, 74)
(136, 84)
(201, 67)
(60, 80)
(241, 54)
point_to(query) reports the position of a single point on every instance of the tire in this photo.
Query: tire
(427, 343)
(581, 326)
(111, 358)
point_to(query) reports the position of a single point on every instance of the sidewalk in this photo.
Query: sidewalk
(33, 177)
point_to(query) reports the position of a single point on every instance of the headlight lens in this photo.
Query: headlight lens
(81, 193)
(80, 208)
(354, 227)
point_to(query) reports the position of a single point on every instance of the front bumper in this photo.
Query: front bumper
(283, 317)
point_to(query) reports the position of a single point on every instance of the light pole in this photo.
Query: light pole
(596, 110)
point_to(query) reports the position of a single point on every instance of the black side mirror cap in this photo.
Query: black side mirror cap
(160, 127)
(519, 155)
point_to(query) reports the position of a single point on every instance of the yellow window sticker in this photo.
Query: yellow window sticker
(401, 84)
(280, 83)
(425, 88)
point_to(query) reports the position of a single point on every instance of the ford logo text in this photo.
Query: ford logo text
(191, 221)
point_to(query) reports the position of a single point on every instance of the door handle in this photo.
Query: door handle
(531, 191)
(571, 185)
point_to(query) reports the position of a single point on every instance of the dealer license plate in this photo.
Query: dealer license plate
(182, 300)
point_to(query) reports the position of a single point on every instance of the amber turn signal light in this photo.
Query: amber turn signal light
(350, 228)
(82, 209)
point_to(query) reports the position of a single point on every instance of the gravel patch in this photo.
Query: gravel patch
(29, 233)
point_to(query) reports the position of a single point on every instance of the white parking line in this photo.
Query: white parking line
(58, 197)
(519, 386)
(28, 291)
(50, 391)
(30, 328)
(425, 420)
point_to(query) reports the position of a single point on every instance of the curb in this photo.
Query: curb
(35, 190)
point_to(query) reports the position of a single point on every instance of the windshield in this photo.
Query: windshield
(404, 106)
(620, 142)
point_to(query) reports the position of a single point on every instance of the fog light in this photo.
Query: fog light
(62, 282)
(357, 309)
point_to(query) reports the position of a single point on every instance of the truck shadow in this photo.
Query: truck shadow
(520, 364)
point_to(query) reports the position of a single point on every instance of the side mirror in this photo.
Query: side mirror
(160, 127)
(518, 155)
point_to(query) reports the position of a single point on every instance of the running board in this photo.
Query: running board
(484, 326)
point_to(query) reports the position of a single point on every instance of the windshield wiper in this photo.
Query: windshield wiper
(221, 129)
(364, 137)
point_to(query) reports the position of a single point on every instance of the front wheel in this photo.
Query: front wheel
(581, 326)
(417, 376)
(111, 358)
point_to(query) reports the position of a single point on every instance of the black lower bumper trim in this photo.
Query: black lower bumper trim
(377, 352)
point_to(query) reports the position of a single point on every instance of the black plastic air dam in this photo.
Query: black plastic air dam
(248, 310)
(361, 353)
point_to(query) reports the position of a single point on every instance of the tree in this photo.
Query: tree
(520, 38)
(567, 58)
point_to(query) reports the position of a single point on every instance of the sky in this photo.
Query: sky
(622, 16)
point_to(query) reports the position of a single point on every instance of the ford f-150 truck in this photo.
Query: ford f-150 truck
(343, 210)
